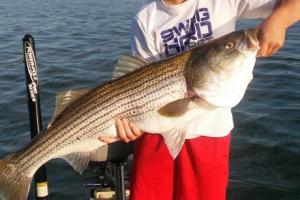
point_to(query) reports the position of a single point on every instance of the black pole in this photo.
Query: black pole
(119, 178)
(34, 109)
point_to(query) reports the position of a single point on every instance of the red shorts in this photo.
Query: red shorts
(200, 172)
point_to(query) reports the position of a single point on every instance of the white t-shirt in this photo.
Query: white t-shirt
(160, 30)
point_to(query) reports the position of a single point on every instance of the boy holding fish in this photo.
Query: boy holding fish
(164, 28)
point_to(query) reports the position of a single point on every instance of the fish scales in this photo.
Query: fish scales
(93, 108)
(112, 94)
(92, 129)
(132, 92)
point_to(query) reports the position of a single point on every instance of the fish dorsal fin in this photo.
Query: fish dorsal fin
(181, 106)
(64, 99)
(128, 64)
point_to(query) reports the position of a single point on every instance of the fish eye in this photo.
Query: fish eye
(229, 45)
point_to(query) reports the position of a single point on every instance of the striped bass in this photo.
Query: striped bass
(160, 97)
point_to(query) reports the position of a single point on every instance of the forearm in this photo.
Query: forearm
(287, 13)
(271, 32)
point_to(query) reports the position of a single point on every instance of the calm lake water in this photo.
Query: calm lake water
(77, 43)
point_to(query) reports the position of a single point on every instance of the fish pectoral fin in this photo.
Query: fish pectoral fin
(64, 99)
(199, 102)
(128, 64)
(174, 140)
(176, 108)
(180, 107)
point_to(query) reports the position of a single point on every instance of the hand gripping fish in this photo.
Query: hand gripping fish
(160, 97)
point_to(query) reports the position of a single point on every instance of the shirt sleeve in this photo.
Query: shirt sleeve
(142, 44)
(253, 9)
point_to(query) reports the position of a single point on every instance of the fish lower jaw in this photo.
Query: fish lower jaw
(249, 52)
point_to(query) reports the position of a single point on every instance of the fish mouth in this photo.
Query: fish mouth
(252, 39)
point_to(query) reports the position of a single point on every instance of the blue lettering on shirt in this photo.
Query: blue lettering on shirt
(187, 34)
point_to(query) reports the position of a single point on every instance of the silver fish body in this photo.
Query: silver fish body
(160, 97)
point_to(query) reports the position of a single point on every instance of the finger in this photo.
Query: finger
(276, 47)
(275, 50)
(107, 139)
(128, 131)
(121, 131)
(136, 131)
(263, 50)
(271, 46)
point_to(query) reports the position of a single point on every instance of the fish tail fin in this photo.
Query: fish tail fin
(14, 185)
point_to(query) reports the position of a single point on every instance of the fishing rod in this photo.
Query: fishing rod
(35, 119)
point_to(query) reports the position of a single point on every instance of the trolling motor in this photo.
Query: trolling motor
(110, 173)
(34, 108)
